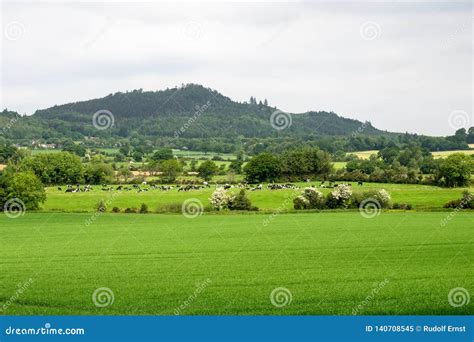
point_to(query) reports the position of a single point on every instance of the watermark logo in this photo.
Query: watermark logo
(200, 287)
(373, 293)
(103, 297)
(281, 297)
(21, 287)
(360, 129)
(370, 30)
(103, 119)
(199, 110)
(465, 200)
(459, 119)
(280, 120)
(14, 30)
(14, 208)
(9, 125)
(106, 204)
(370, 208)
(192, 208)
(458, 297)
(192, 30)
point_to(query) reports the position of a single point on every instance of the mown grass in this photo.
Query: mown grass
(330, 262)
(419, 196)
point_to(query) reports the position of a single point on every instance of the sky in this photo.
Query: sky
(403, 66)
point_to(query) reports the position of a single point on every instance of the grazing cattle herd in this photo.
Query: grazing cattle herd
(144, 187)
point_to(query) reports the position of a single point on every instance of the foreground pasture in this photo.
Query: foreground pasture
(329, 263)
(420, 196)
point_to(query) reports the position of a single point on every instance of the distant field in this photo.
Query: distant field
(37, 151)
(328, 263)
(444, 154)
(339, 165)
(109, 150)
(364, 154)
(199, 154)
(436, 154)
(421, 197)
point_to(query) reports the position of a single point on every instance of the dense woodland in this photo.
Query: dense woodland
(200, 119)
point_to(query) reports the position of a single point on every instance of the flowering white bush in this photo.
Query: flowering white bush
(315, 197)
(310, 198)
(342, 192)
(219, 199)
(301, 202)
(384, 198)
(312, 193)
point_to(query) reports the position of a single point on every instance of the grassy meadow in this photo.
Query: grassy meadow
(331, 262)
(328, 262)
(421, 197)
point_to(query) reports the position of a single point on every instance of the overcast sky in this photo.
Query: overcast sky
(403, 66)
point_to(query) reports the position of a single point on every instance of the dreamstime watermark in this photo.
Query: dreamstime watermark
(280, 120)
(21, 288)
(459, 119)
(192, 30)
(46, 330)
(288, 200)
(9, 124)
(103, 297)
(200, 287)
(281, 297)
(370, 30)
(458, 297)
(199, 111)
(370, 208)
(108, 23)
(103, 119)
(360, 129)
(370, 297)
(14, 208)
(192, 208)
(106, 204)
(14, 30)
(465, 199)
(464, 27)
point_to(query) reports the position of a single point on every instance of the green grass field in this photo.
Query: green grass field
(330, 263)
(420, 196)
(200, 154)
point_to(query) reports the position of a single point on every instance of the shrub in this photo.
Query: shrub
(384, 198)
(101, 206)
(169, 208)
(219, 199)
(130, 211)
(115, 209)
(143, 208)
(466, 202)
(240, 202)
(403, 206)
(25, 186)
(453, 204)
(339, 197)
(310, 198)
(381, 196)
(315, 198)
(301, 202)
